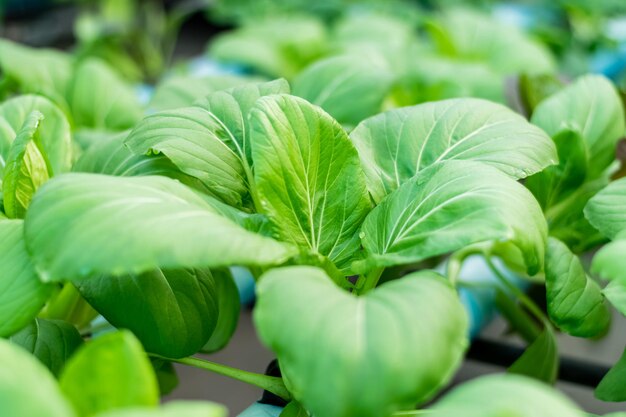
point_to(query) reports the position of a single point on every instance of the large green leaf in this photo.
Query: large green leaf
(232, 107)
(361, 356)
(183, 90)
(612, 387)
(558, 182)
(308, 176)
(348, 88)
(172, 312)
(110, 372)
(25, 170)
(41, 71)
(228, 308)
(173, 409)
(51, 341)
(27, 388)
(540, 360)
(100, 99)
(150, 222)
(472, 36)
(54, 138)
(22, 295)
(194, 139)
(396, 145)
(606, 210)
(575, 302)
(591, 106)
(508, 396)
(451, 205)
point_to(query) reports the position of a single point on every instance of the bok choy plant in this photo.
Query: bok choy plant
(143, 226)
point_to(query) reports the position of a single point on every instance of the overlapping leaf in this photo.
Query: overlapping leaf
(150, 222)
(396, 145)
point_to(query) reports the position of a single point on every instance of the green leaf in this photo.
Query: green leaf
(472, 36)
(334, 83)
(54, 137)
(294, 409)
(592, 107)
(27, 388)
(612, 387)
(228, 308)
(110, 156)
(173, 409)
(41, 71)
(50, 341)
(172, 312)
(232, 107)
(605, 210)
(166, 376)
(615, 292)
(26, 168)
(150, 222)
(540, 360)
(22, 295)
(575, 301)
(108, 373)
(350, 361)
(194, 139)
(100, 99)
(308, 175)
(509, 396)
(557, 182)
(451, 205)
(183, 90)
(396, 145)
(279, 46)
(609, 262)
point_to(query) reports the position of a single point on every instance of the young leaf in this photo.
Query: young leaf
(232, 107)
(557, 182)
(451, 205)
(107, 373)
(333, 83)
(100, 99)
(612, 387)
(605, 210)
(308, 175)
(51, 341)
(54, 137)
(173, 409)
(41, 71)
(194, 139)
(22, 295)
(156, 222)
(27, 388)
(396, 145)
(509, 395)
(540, 360)
(371, 367)
(228, 308)
(182, 90)
(172, 312)
(575, 302)
(591, 106)
(25, 170)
